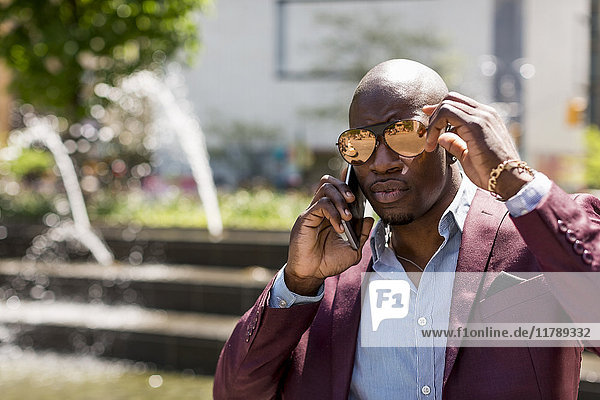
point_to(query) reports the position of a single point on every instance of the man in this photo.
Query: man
(300, 340)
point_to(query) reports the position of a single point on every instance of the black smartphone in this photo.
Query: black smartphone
(353, 228)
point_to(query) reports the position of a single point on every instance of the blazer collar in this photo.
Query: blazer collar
(481, 225)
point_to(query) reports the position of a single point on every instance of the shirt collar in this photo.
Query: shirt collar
(452, 219)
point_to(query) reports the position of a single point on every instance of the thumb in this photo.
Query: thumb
(454, 144)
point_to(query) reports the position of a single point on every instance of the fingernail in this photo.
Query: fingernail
(349, 194)
(342, 228)
(347, 212)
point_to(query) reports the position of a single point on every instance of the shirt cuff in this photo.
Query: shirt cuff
(282, 297)
(529, 196)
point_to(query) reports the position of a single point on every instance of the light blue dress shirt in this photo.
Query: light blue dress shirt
(392, 369)
(404, 371)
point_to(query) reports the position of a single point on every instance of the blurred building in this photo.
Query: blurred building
(280, 66)
(289, 66)
(556, 42)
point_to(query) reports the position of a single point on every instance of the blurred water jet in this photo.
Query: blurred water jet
(171, 117)
(41, 130)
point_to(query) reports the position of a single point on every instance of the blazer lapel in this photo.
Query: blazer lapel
(346, 317)
(481, 225)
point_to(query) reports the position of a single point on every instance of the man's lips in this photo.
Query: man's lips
(389, 190)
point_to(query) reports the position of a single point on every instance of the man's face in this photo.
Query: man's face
(400, 189)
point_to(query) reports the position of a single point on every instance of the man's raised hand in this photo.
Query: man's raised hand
(316, 250)
(479, 140)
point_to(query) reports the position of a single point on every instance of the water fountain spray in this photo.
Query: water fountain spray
(40, 130)
(189, 134)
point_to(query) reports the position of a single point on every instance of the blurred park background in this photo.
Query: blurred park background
(155, 153)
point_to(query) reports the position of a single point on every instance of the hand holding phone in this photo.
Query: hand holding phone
(316, 249)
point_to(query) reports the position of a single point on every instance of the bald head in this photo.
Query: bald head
(399, 81)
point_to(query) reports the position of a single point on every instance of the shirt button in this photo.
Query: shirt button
(571, 236)
(425, 390)
(561, 226)
(422, 321)
(587, 257)
(282, 303)
(578, 247)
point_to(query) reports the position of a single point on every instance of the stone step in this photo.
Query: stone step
(169, 339)
(214, 290)
(237, 248)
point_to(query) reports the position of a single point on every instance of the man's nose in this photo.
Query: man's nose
(384, 160)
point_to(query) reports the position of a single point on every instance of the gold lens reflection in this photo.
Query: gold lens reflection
(406, 138)
(356, 145)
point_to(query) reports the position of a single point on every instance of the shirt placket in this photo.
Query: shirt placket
(425, 349)
(424, 345)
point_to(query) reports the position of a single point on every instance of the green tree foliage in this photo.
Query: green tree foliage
(59, 49)
(592, 159)
(59, 52)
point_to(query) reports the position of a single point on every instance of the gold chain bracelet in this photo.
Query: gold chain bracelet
(506, 165)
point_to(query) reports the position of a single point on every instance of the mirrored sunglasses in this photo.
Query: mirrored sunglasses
(405, 138)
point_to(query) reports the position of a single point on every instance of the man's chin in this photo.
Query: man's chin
(398, 219)
(393, 215)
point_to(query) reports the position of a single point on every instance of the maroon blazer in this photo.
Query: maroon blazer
(307, 351)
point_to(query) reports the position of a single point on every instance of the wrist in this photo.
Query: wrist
(510, 182)
(304, 286)
(508, 178)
